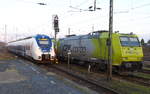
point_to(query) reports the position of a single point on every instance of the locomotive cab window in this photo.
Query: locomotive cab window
(129, 41)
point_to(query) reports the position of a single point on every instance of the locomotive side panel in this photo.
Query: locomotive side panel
(81, 49)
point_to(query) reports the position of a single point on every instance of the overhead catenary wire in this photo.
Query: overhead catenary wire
(88, 8)
(133, 8)
(115, 12)
(119, 12)
(82, 3)
(141, 6)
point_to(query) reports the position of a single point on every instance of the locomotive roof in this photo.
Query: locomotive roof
(70, 37)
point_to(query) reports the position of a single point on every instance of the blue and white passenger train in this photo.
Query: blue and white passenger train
(38, 47)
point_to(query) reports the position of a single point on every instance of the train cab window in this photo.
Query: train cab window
(43, 42)
(124, 41)
(134, 41)
(129, 41)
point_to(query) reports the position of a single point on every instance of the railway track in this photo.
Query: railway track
(132, 78)
(141, 80)
(88, 80)
(135, 79)
(147, 63)
(145, 71)
(92, 83)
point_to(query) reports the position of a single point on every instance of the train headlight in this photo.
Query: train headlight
(39, 57)
(140, 58)
(52, 57)
(128, 65)
(125, 58)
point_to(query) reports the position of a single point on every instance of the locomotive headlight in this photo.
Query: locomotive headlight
(124, 58)
(128, 65)
(140, 58)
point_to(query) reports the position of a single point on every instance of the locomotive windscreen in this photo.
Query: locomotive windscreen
(129, 41)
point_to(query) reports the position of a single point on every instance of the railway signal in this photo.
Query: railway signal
(55, 26)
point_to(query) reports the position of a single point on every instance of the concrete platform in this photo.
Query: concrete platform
(23, 77)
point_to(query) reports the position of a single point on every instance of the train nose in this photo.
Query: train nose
(131, 52)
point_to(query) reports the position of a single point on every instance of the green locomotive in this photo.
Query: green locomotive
(127, 54)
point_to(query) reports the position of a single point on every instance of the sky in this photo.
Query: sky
(22, 18)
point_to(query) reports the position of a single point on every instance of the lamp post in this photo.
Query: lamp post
(69, 53)
(109, 65)
(5, 33)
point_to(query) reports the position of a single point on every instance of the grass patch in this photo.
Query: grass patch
(144, 75)
(129, 88)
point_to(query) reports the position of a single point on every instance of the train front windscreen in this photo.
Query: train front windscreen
(129, 41)
(45, 44)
